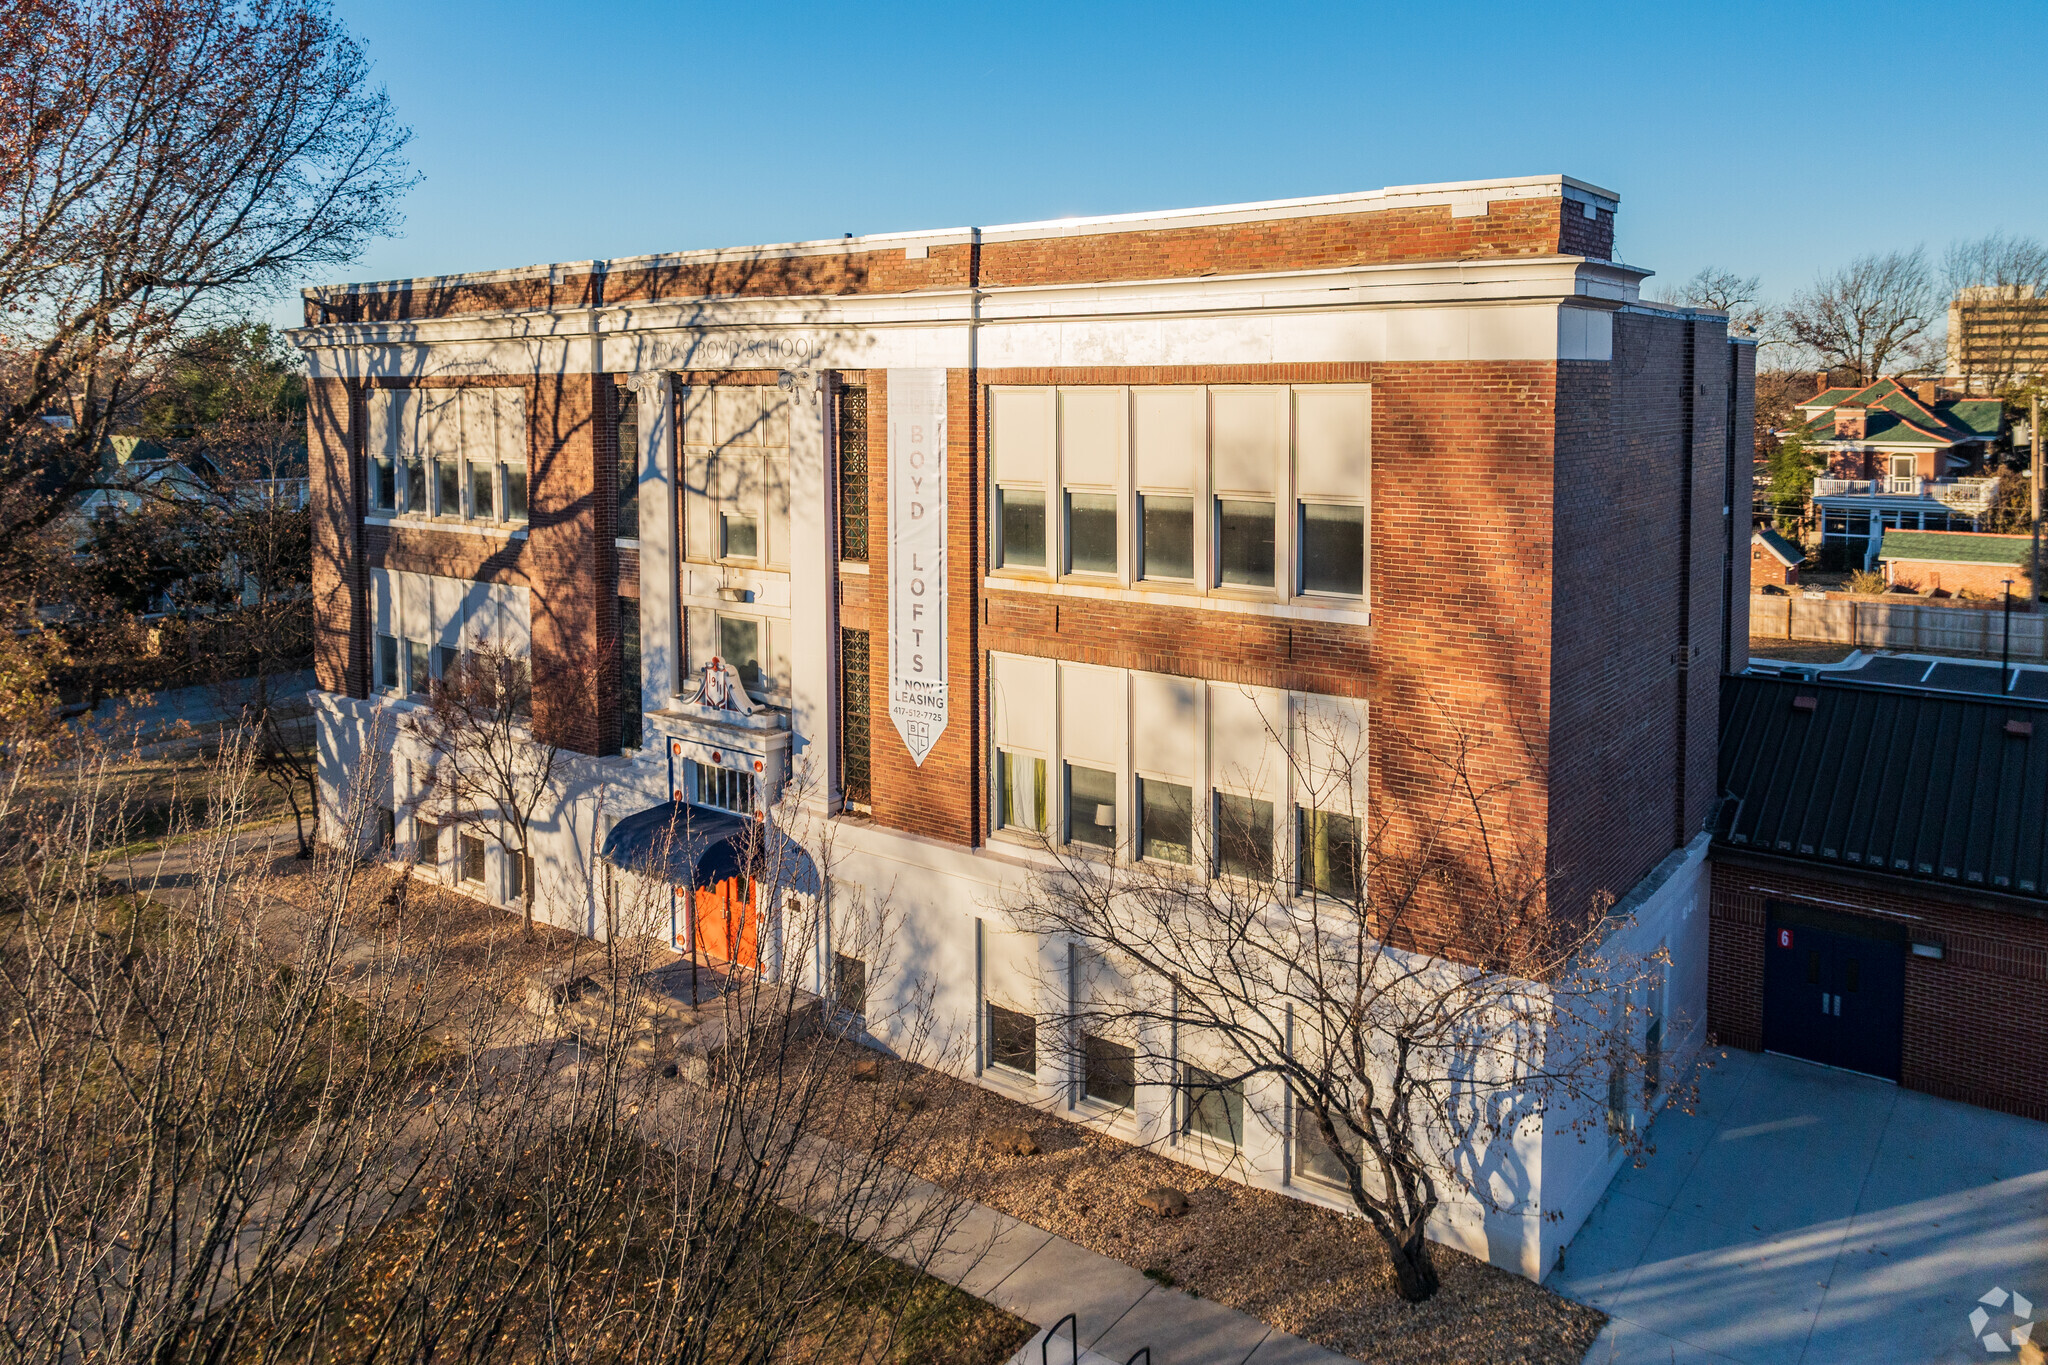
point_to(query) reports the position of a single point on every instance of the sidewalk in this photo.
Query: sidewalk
(1042, 1277)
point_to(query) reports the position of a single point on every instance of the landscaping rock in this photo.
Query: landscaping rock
(909, 1104)
(868, 1069)
(1011, 1141)
(1163, 1201)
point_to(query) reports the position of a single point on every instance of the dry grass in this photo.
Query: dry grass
(1297, 1267)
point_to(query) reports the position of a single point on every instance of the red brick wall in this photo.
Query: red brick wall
(340, 604)
(1638, 610)
(1510, 227)
(571, 562)
(445, 554)
(1517, 227)
(1976, 1025)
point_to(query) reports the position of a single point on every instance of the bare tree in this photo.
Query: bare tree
(1735, 295)
(488, 772)
(1875, 314)
(276, 1120)
(161, 165)
(1410, 991)
(1998, 317)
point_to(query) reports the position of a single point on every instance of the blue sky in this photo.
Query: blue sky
(1776, 140)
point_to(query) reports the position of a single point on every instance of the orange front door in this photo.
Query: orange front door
(726, 927)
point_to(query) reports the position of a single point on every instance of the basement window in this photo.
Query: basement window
(1012, 1040)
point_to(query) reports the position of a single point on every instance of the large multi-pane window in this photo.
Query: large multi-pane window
(449, 453)
(1226, 779)
(1258, 491)
(735, 474)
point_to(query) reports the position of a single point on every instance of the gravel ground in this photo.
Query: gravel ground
(1296, 1267)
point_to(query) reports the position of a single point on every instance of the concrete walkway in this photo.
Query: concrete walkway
(1809, 1215)
(1042, 1277)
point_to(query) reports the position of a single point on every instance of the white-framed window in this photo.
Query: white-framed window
(1109, 1071)
(1212, 1107)
(1224, 779)
(470, 858)
(1259, 492)
(1012, 1040)
(449, 453)
(1243, 838)
(388, 676)
(1024, 806)
(1313, 1159)
(736, 473)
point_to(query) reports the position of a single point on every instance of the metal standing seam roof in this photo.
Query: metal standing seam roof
(1925, 787)
(1954, 547)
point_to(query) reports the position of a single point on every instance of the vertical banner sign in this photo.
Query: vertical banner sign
(917, 557)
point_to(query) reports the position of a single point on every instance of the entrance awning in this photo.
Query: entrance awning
(691, 846)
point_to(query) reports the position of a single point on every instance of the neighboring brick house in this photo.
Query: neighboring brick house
(1899, 456)
(1773, 560)
(1416, 460)
(1880, 885)
(1958, 562)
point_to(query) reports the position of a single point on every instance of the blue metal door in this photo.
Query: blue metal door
(1833, 994)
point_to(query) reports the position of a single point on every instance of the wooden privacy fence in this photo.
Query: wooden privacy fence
(1895, 625)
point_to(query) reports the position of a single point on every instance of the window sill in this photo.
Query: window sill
(501, 530)
(1009, 1079)
(854, 566)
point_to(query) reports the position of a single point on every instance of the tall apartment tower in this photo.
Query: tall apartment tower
(1060, 529)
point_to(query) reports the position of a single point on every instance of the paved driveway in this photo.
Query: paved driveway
(1808, 1215)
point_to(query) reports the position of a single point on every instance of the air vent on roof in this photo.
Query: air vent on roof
(1804, 702)
(2020, 728)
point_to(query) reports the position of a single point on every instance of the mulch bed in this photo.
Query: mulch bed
(1300, 1268)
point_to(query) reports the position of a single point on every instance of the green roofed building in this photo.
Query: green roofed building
(1900, 457)
(1956, 563)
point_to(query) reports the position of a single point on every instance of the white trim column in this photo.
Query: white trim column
(660, 621)
(813, 592)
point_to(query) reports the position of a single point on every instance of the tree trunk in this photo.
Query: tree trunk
(1414, 1272)
(527, 901)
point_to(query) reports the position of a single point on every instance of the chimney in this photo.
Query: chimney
(1852, 423)
(1929, 391)
(1823, 386)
